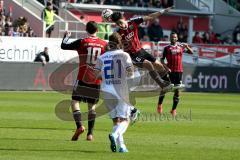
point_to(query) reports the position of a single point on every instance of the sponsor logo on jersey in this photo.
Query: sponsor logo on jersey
(129, 36)
(175, 51)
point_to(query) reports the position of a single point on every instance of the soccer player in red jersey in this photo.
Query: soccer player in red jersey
(87, 86)
(173, 53)
(140, 57)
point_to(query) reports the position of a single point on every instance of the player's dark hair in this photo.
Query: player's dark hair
(49, 3)
(115, 41)
(116, 16)
(172, 33)
(91, 27)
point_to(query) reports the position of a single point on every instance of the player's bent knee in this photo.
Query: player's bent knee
(157, 63)
(116, 120)
(74, 102)
(123, 119)
(91, 107)
(148, 65)
(75, 105)
(92, 112)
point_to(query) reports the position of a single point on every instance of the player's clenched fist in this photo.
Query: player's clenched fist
(67, 34)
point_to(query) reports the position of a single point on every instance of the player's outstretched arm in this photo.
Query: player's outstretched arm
(189, 49)
(156, 14)
(69, 46)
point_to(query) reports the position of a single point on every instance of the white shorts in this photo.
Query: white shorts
(116, 106)
(122, 110)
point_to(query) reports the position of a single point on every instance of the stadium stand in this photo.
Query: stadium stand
(13, 27)
(234, 3)
(55, 3)
(9, 28)
(136, 3)
(17, 28)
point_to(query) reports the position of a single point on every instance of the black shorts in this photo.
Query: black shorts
(140, 56)
(83, 92)
(50, 29)
(175, 77)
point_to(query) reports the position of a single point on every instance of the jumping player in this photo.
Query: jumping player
(173, 53)
(140, 57)
(87, 86)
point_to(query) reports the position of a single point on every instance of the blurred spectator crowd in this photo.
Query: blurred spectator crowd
(234, 3)
(215, 38)
(136, 3)
(147, 32)
(154, 32)
(18, 27)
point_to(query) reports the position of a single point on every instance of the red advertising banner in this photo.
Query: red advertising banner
(215, 51)
(203, 50)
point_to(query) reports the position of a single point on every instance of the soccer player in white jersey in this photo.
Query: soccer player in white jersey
(115, 66)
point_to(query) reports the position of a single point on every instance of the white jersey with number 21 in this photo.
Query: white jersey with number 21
(113, 66)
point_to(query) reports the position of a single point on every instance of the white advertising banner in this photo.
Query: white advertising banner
(23, 49)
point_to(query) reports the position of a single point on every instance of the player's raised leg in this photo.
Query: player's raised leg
(162, 70)
(164, 85)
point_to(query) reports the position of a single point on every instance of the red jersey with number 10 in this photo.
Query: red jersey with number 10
(129, 36)
(174, 54)
(88, 50)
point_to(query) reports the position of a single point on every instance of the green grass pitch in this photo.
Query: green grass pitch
(208, 128)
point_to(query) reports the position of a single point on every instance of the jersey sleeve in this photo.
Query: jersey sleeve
(70, 46)
(98, 65)
(128, 61)
(137, 20)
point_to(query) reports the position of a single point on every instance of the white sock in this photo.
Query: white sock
(119, 129)
(120, 141)
(124, 127)
(114, 131)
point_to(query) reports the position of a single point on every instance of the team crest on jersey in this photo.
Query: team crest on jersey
(131, 27)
